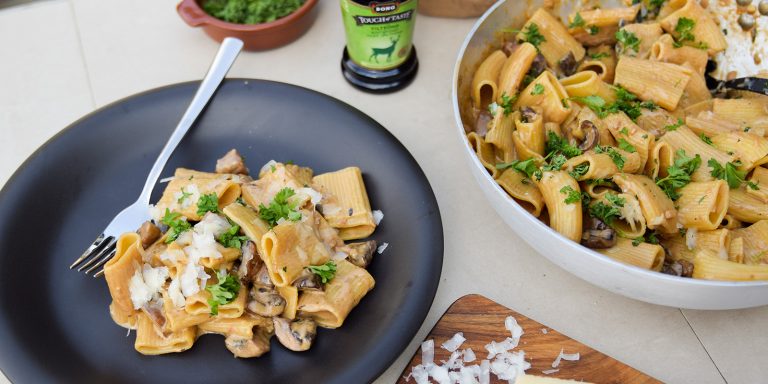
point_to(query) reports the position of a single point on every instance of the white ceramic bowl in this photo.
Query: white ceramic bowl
(600, 270)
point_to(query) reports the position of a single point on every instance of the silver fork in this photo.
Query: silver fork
(103, 248)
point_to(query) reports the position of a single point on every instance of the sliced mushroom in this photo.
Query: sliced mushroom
(262, 277)
(527, 114)
(360, 254)
(232, 162)
(307, 280)
(598, 235)
(481, 123)
(265, 301)
(149, 233)
(591, 135)
(678, 268)
(568, 64)
(154, 310)
(295, 335)
(251, 263)
(538, 65)
(246, 348)
(509, 47)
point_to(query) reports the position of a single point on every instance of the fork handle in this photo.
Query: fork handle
(226, 55)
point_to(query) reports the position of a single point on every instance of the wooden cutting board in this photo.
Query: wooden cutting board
(482, 320)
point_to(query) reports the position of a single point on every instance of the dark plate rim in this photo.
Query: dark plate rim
(411, 328)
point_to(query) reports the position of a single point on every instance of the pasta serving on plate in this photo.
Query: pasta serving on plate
(245, 258)
(601, 124)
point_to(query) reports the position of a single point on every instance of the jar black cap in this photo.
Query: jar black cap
(377, 81)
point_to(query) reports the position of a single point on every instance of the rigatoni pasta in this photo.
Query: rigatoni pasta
(246, 259)
(619, 144)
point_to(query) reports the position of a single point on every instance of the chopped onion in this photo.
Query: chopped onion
(454, 343)
(565, 356)
(511, 325)
(166, 179)
(268, 166)
(381, 248)
(550, 371)
(544, 331)
(469, 355)
(485, 372)
(690, 238)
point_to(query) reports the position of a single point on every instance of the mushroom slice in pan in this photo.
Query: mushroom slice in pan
(262, 277)
(265, 301)
(598, 235)
(591, 135)
(360, 254)
(307, 280)
(245, 348)
(568, 64)
(295, 335)
(251, 263)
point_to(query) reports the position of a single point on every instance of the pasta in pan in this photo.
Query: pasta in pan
(603, 126)
(245, 258)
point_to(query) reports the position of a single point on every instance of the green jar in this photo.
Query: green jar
(379, 56)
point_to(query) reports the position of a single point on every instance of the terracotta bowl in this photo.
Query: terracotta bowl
(254, 36)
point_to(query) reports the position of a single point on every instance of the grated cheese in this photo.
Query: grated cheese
(378, 216)
(381, 248)
(454, 342)
(145, 284)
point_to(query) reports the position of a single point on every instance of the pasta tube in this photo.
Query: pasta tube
(643, 255)
(657, 208)
(702, 205)
(558, 43)
(662, 83)
(484, 84)
(709, 267)
(565, 218)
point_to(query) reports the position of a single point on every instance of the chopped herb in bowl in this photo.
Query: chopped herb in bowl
(250, 11)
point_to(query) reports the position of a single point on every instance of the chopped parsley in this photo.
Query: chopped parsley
(679, 174)
(579, 171)
(615, 199)
(208, 203)
(176, 225)
(730, 173)
(577, 22)
(557, 144)
(602, 183)
(684, 29)
(650, 238)
(675, 126)
(230, 238)
(250, 11)
(626, 102)
(607, 213)
(526, 167)
(507, 102)
(624, 131)
(705, 138)
(184, 196)
(279, 208)
(538, 89)
(555, 163)
(625, 145)
(599, 55)
(223, 292)
(572, 196)
(593, 30)
(615, 155)
(628, 40)
(532, 35)
(326, 271)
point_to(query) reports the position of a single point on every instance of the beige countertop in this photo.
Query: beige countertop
(63, 58)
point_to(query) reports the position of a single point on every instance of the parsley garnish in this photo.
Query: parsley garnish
(579, 170)
(650, 238)
(531, 35)
(593, 30)
(615, 199)
(624, 131)
(594, 102)
(679, 174)
(538, 89)
(573, 196)
(184, 196)
(526, 167)
(674, 127)
(625, 145)
(599, 55)
(601, 183)
(230, 239)
(208, 203)
(223, 292)
(279, 208)
(507, 102)
(628, 40)
(615, 155)
(557, 144)
(326, 271)
(578, 21)
(555, 163)
(605, 212)
(705, 138)
(176, 225)
(684, 29)
(730, 173)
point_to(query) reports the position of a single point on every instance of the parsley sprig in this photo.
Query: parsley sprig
(615, 155)
(557, 144)
(223, 292)
(675, 126)
(326, 271)
(679, 174)
(176, 225)
(577, 22)
(526, 167)
(532, 35)
(730, 173)
(279, 208)
(684, 29)
(572, 196)
(507, 102)
(607, 211)
(626, 102)
(627, 40)
(231, 239)
(538, 89)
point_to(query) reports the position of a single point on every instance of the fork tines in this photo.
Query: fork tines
(101, 251)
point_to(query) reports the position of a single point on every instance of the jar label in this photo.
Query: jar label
(379, 35)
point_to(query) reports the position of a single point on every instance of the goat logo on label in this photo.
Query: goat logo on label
(384, 51)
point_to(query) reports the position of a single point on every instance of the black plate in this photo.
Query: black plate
(55, 324)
